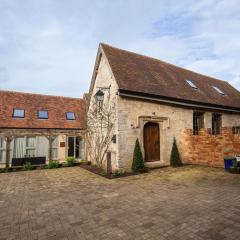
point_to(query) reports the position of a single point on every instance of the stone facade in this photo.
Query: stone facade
(105, 81)
(172, 121)
(132, 114)
(207, 149)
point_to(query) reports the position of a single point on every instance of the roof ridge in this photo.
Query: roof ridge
(164, 62)
(39, 94)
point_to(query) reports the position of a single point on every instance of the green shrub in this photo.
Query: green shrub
(234, 169)
(137, 164)
(175, 159)
(52, 164)
(70, 161)
(118, 172)
(27, 166)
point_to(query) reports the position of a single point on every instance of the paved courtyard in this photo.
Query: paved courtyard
(72, 203)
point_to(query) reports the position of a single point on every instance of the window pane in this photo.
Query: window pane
(70, 116)
(216, 123)
(191, 84)
(19, 147)
(54, 153)
(198, 122)
(55, 142)
(218, 90)
(18, 113)
(31, 141)
(43, 114)
(30, 152)
(70, 146)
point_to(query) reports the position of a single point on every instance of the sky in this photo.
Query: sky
(50, 46)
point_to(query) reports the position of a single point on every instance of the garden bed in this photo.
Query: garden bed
(117, 174)
(53, 164)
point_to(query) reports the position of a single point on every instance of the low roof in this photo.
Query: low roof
(32, 103)
(138, 74)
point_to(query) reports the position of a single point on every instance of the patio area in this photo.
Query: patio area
(190, 202)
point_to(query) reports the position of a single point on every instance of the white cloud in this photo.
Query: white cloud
(49, 46)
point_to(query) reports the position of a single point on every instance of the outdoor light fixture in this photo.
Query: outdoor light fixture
(99, 96)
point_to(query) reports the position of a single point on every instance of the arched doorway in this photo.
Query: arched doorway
(151, 142)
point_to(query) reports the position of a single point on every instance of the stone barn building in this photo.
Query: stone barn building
(155, 101)
(37, 128)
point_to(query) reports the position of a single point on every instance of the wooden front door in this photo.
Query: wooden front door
(151, 142)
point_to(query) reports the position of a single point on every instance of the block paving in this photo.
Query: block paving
(190, 202)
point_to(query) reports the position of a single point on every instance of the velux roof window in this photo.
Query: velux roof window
(43, 114)
(18, 113)
(70, 116)
(218, 90)
(191, 84)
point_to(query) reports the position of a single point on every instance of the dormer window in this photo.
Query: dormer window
(18, 113)
(192, 85)
(70, 116)
(42, 114)
(99, 96)
(218, 90)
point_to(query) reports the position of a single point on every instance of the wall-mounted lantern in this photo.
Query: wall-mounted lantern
(99, 96)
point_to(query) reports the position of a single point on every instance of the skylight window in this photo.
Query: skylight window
(191, 84)
(218, 90)
(43, 114)
(18, 113)
(70, 116)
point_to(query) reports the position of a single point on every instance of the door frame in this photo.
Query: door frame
(74, 146)
(159, 139)
(164, 124)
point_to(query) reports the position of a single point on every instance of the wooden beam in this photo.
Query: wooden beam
(8, 140)
(40, 132)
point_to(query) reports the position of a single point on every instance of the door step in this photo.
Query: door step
(156, 164)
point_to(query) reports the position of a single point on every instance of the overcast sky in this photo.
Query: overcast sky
(49, 46)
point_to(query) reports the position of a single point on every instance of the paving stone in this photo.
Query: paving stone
(190, 202)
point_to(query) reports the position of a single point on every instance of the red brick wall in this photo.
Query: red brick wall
(207, 149)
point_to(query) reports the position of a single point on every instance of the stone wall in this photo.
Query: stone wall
(104, 79)
(130, 113)
(208, 149)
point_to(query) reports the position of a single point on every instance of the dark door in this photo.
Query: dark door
(71, 146)
(151, 142)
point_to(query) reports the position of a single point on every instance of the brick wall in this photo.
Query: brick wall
(207, 149)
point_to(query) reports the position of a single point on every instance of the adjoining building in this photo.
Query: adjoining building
(40, 127)
(155, 101)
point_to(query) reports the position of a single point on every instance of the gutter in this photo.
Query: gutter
(174, 101)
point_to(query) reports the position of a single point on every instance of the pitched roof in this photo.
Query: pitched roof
(31, 103)
(147, 76)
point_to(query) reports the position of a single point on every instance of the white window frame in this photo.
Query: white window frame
(218, 90)
(81, 154)
(55, 147)
(192, 85)
(2, 149)
(30, 148)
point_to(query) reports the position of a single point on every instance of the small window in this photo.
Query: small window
(218, 90)
(236, 130)
(18, 113)
(198, 122)
(70, 116)
(191, 84)
(43, 114)
(216, 123)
